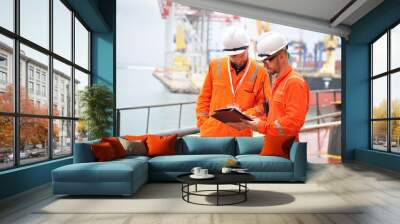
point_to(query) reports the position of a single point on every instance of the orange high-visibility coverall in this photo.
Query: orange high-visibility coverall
(217, 93)
(288, 106)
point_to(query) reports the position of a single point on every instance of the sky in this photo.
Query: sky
(139, 44)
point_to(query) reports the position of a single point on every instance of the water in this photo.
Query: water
(136, 86)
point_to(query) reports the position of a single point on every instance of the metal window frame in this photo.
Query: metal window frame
(73, 78)
(388, 74)
(50, 87)
(76, 16)
(16, 114)
(16, 69)
(389, 99)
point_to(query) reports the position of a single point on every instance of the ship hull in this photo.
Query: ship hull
(323, 83)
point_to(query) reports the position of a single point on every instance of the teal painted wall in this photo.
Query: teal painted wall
(24, 178)
(379, 159)
(103, 52)
(103, 62)
(102, 59)
(99, 15)
(356, 100)
(91, 12)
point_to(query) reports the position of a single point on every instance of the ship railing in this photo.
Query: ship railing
(320, 126)
(148, 108)
(324, 116)
(324, 138)
(324, 101)
(335, 122)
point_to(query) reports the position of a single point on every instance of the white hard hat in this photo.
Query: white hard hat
(236, 40)
(269, 43)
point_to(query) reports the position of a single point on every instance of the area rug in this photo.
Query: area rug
(167, 198)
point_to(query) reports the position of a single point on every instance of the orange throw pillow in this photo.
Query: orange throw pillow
(135, 137)
(116, 145)
(161, 145)
(277, 145)
(103, 152)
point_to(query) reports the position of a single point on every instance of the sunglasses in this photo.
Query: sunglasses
(269, 57)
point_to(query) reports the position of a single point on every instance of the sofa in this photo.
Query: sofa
(126, 175)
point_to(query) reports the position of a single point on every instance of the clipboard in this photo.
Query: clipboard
(227, 115)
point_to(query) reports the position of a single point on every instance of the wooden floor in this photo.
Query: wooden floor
(379, 189)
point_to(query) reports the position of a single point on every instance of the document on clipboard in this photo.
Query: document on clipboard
(232, 114)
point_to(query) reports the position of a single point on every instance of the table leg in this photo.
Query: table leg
(245, 191)
(196, 188)
(217, 194)
(188, 190)
(182, 188)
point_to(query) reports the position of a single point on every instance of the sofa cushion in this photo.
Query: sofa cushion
(103, 152)
(116, 145)
(277, 145)
(199, 145)
(257, 163)
(249, 145)
(185, 163)
(93, 172)
(134, 147)
(161, 145)
(83, 152)
(112, 171)
(131, 158)
(135, 137)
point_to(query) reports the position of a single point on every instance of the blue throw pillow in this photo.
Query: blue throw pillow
(83, 152)
(207, 145)
(249, 145)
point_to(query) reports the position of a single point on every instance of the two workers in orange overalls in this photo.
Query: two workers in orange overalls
(278, 112)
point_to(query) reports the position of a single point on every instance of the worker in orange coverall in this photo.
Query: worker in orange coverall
(289, 97)
(232, 81)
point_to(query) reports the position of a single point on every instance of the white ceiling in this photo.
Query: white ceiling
(315, 15)
(321, 9)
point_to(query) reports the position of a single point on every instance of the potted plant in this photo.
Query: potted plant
(96, 102)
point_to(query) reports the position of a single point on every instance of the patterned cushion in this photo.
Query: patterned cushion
(135, 147)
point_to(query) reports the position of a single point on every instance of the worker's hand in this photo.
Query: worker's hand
(252, 124)
(200, 121)
(233, 105)
(238, 125)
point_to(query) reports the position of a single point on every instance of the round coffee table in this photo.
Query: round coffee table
(238, 179)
